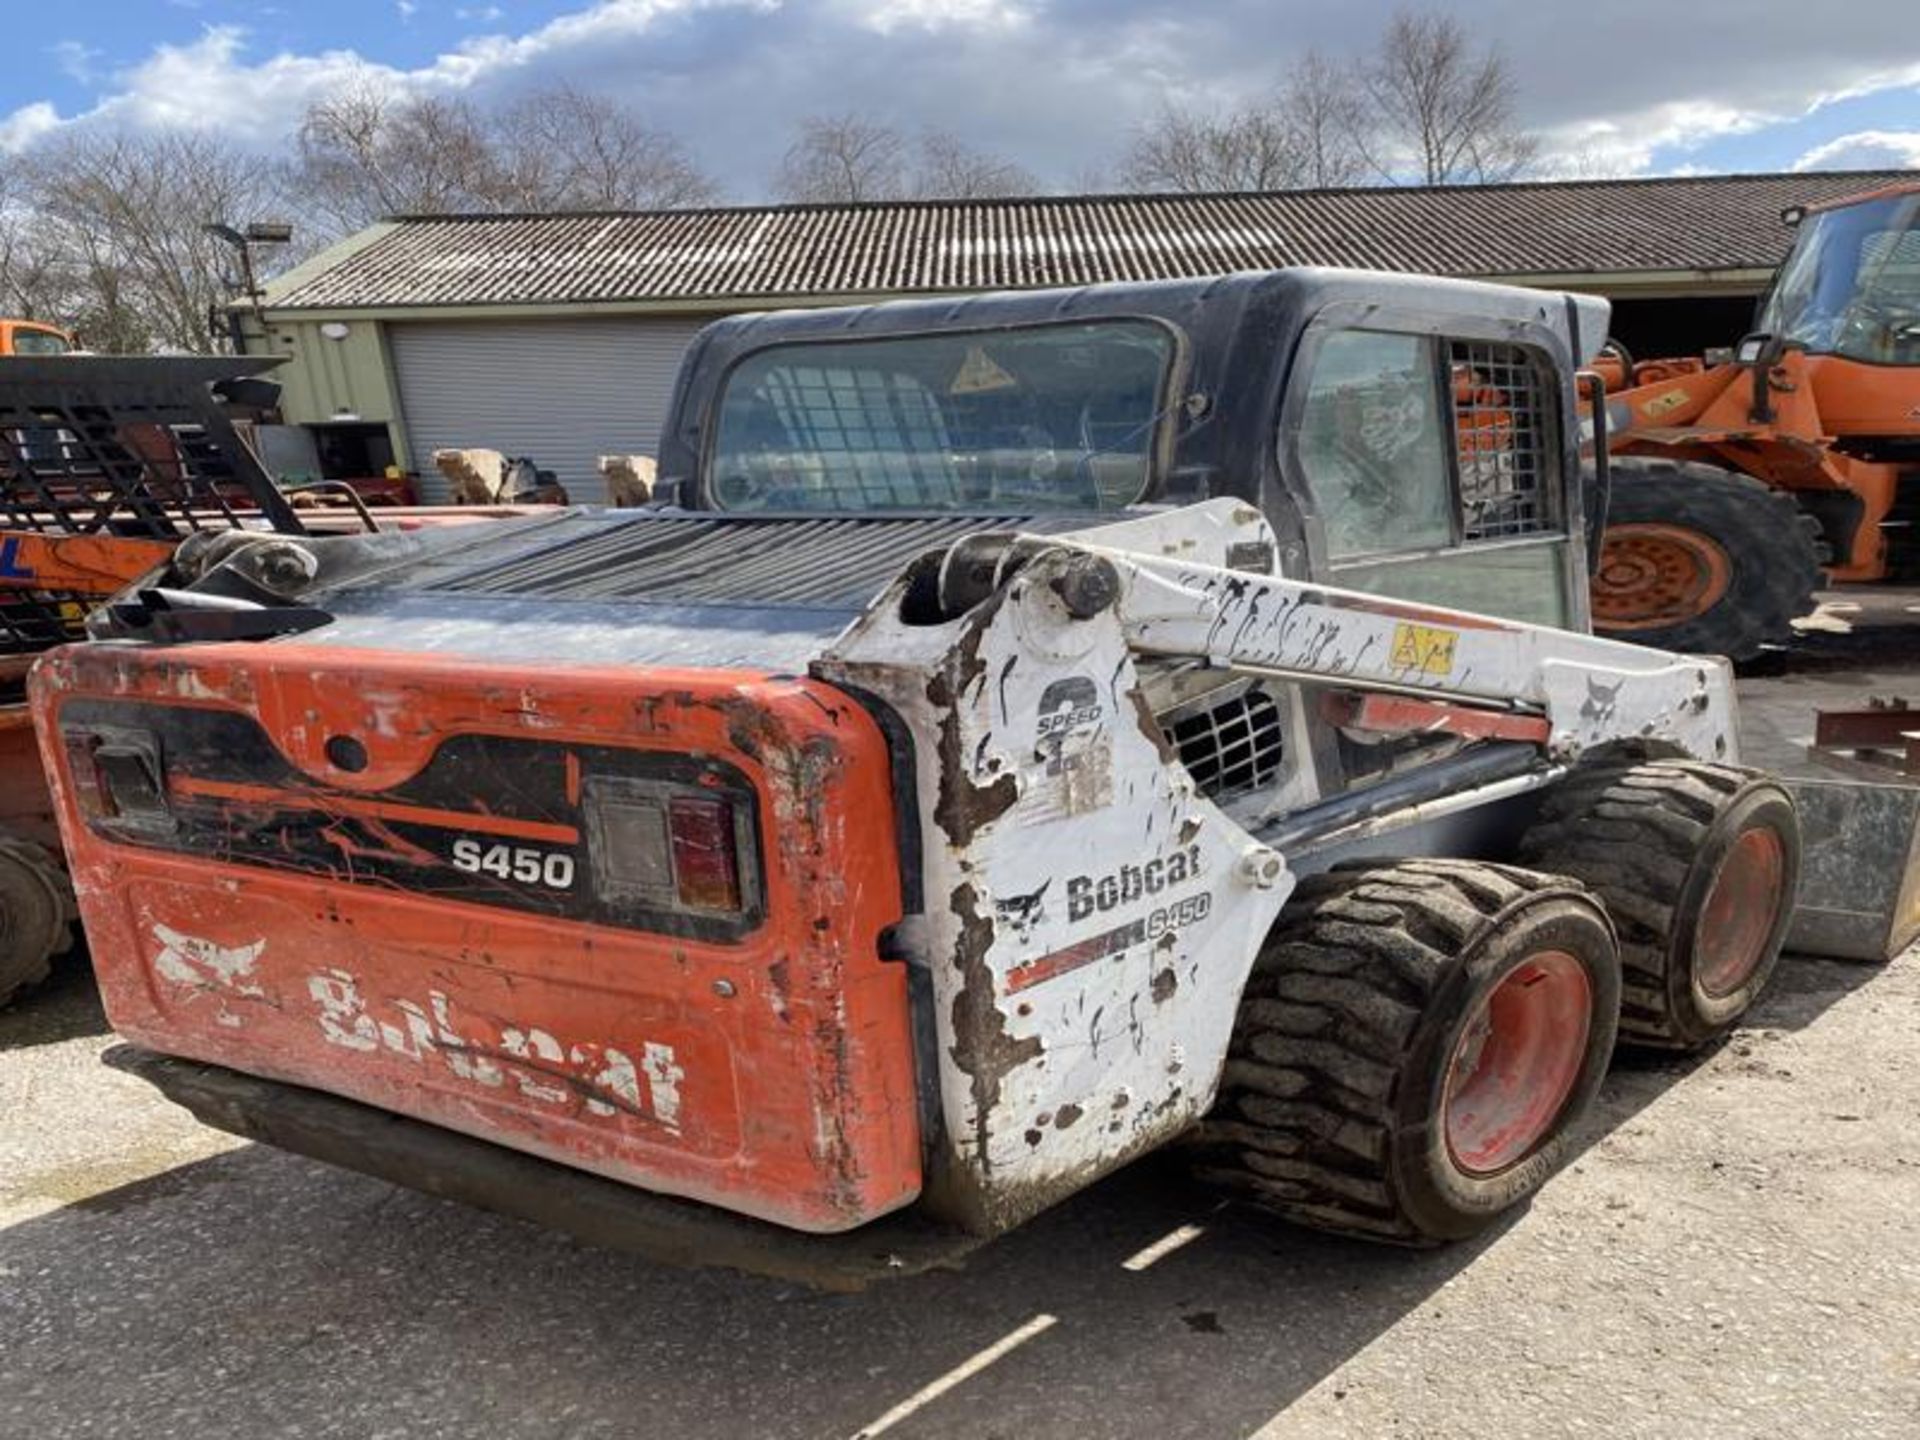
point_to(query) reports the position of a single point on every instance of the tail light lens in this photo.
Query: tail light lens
(706, 852)
(673, 848)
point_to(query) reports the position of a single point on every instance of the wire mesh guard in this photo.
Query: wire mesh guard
(1501, 410)
(141, 447)
(116, 447)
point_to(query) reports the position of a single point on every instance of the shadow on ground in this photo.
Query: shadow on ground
(65, 1006)
(258, 1293)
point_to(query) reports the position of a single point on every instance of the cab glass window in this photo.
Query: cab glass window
(39, 342)
(1374, 446)
(1434, 467)
(1043, 418)
(1851, 286)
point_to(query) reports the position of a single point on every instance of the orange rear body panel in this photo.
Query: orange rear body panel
(304, 923)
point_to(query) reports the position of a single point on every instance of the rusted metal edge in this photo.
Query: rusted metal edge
(597, 1211)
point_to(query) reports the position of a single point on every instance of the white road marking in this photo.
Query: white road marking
(1163, 1247)
(965, 1370)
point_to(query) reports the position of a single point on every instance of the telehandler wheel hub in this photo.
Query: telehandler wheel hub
(1516, 1062)
(1737, 919)
(1653, 575)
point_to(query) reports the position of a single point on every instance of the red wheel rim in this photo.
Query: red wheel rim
(1516, 1062)
(1737, 920)
(1653, 575)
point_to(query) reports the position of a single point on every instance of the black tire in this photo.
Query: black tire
(36, 908)
(1769, 548)
(1333, 1106)
(1651, 839)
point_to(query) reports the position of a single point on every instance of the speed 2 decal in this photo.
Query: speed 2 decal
(1072, 767)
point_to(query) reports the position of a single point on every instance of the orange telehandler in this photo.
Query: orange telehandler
(1737, 478)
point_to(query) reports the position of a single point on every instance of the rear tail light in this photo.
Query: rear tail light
(674, 848)
(706, 852)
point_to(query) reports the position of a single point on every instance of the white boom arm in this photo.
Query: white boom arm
(1589, 690)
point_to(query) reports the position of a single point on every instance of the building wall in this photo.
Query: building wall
(328, 378)
(565, 384)
(561, 391)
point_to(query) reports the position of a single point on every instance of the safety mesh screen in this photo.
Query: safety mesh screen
(84, 470)
(875, 439)
(1502, 425)
(125, 446)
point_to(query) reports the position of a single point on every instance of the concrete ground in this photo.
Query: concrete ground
(1736, 1254)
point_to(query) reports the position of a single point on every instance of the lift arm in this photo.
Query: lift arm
(1588, 691)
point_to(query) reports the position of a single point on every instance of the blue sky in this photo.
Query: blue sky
(1621, 88)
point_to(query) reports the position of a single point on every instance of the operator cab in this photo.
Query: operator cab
(1849, 296)
(1851, 286)
(28, 337)
(1399, 437)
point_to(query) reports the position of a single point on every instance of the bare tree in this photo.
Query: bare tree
(1249, 148)
(365, 153)
(1325, 114)
(950, 169)
(1304, 134)
(1444, 111)
(119, 223)
(31, 284)
(565, 150)
(843, 159)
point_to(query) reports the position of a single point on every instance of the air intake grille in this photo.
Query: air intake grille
(1232, 747)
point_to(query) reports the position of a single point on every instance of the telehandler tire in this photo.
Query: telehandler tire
(1416, 1043)
(36, 908)
(1702, 560)
(1697, 864)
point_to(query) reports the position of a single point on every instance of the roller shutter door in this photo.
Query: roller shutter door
(564, 392)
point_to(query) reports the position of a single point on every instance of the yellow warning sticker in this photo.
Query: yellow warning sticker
(1660, 404)
(1425, 648)
(978, 374)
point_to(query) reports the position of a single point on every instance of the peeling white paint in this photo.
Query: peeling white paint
(600, 1079)
(191, 960)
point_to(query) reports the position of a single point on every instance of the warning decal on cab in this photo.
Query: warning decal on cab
(1425, 648)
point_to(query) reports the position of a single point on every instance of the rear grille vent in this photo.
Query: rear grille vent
(1232, 747)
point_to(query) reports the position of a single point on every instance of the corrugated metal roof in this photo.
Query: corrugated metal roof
(768, 253)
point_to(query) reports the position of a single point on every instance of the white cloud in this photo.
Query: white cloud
(1865, 150)
(212, 83)
(1628, 144)
(76, 60)
(886, 16)
(1055, 84)
(26, 125)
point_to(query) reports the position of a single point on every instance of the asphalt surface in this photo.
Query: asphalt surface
(1735, 1254)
